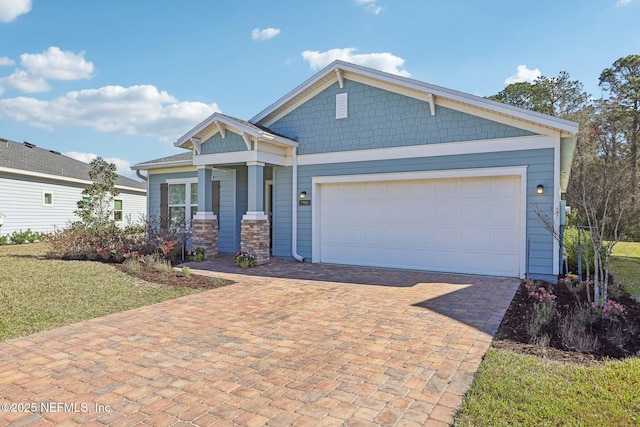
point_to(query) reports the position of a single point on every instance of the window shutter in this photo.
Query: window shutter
(164, 206)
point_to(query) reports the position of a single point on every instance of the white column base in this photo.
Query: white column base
(255, 215)
(205, 215)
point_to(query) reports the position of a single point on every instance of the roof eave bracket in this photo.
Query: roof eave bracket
(197, 146)
(247, 140)
(340, 78)
(220, 128)
(432, 103)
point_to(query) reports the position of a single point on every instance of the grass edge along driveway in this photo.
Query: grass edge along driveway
(39, 294)
(515, 389)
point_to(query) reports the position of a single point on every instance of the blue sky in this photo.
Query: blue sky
(124, 79)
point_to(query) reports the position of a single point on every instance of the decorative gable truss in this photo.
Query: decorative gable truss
(261, 144)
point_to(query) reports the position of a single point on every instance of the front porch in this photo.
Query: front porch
(260, 151)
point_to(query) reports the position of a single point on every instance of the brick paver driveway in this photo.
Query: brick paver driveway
(266, 351)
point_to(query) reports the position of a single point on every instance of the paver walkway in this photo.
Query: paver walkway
(266, 351)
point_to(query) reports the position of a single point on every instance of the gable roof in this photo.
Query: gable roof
(218, 122)
(182, 159)
(28, 159)
(338, 70)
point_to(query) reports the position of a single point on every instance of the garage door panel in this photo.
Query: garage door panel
(505, 213)
(469, 225)
(504, 188)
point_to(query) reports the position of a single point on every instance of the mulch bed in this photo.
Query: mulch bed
(175, 278)
(512, 333)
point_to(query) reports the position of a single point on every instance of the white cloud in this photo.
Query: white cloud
(11, 9)
(134, 110)
(265, 34)
(52, 64)
(7, 62)
(24, 82)
(381, 61)
(621, 3)
(370, 6)
(123, 166)
(524, 74)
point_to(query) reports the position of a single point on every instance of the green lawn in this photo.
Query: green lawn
(625, 265)
(37, 294)
(519, 390)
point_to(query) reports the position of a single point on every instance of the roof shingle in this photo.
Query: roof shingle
(28, 157)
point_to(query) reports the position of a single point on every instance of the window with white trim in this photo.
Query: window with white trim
(117, 210)
(183, 203)
(47, 199)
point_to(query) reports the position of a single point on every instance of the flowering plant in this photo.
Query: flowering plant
(196, 254)
(166, 247)
(611, 310)
(244, 259)
(540, 294)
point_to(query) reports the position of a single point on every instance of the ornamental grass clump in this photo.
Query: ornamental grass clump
(132, 266)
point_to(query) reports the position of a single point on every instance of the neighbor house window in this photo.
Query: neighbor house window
(117, 210)
(47, 199)
(183, 203)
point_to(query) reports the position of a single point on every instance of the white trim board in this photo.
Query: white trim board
(519, 171)
(431, 150)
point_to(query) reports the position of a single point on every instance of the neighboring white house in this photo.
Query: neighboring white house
(40, 188)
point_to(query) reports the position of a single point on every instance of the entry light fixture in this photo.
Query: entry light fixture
(540, 189)
(303, 195)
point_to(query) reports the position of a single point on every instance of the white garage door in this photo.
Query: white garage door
(468, 225)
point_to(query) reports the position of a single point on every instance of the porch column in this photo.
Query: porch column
(205, 222)
(254, 232)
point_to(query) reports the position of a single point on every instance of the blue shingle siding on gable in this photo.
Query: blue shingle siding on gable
(539, 169)
(381, 119)
(230, 143)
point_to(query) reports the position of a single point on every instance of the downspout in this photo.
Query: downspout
(294, 207)
(139, 175)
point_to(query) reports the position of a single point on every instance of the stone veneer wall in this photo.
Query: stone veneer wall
(205, 235)
(254, 238)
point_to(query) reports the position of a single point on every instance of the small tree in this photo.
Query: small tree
(601, 189)
(96, 208)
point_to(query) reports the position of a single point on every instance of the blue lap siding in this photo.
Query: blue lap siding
(539, 169)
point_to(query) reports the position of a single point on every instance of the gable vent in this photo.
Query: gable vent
(342, 105)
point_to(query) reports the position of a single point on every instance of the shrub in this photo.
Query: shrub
(575, 337)
(109, 244)
(20, 237)
(196, 254)
(186, 272)
(571, 245)
(132, 266)
(544, 309)
(611, 310)
(244, 259)
(218, 281)
(162, 266)
(4, 240)
(615, 290)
